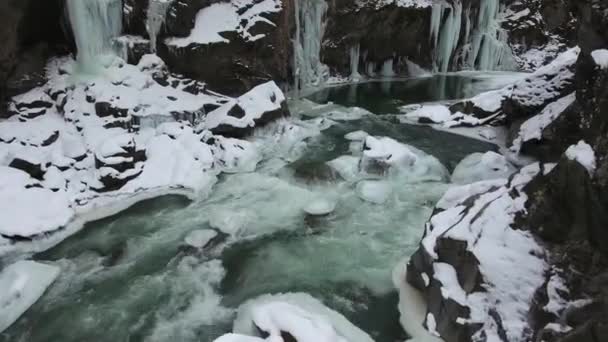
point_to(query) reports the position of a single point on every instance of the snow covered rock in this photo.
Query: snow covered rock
(118, 161)
(22, 284)
(258, 107)
(483, 271)
(243, 43)
(482, 166)
(27, 209)
(386, 156)
(544, 86)
(294, 317)
(320, 207)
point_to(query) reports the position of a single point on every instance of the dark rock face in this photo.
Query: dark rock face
(238, 65)
(388, 33)
(31, 32)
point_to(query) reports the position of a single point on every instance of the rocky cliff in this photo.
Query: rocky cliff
(553, 216)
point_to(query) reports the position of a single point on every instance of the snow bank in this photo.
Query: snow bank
(584, 154)
(22, 283)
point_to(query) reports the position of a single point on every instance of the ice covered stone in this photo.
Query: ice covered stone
(320, 207)
(377, 192)
(200, 238)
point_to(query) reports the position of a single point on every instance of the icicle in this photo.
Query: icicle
(485, 47)
(436, 17)
(489, 48)
(354, 62)
(310, 27)
(157, 13)
(387, 68)
(95, 23)
(449, 37)
(370, 69)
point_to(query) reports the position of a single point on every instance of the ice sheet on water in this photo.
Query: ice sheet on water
(22, 283)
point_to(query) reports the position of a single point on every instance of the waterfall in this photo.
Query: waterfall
(485, 45)
(354, 62)
(310, 27)
(156, 15)
(95, 23)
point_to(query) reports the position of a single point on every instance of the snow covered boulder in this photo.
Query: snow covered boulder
(482, 166)
(546, 134)
(22, 284)
(118, 160)
(544, 86)
(386, 156)
(294, 317)
(479, 273)
(239, 117)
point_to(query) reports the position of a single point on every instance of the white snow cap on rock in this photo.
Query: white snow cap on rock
(601, 58)
(27, 209)
(584, 154)
(21, 284)
(434, 113)
(262, 99)
(299, 314)
(482, 166)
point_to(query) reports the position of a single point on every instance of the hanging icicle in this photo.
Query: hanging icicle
(157, 13)
(310, 18)
(485, 45)
(354, 62)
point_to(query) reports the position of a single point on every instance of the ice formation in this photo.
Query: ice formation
(484, 45)
(95, 23)
(22, 283)
(157, 12)
(310, 28)
(354, 62)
